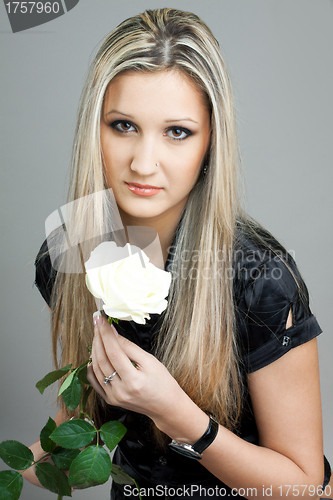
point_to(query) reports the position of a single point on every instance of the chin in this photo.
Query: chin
(139, 212)
(145, 214)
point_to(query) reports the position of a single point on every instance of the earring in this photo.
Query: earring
(204, 170)
(157, 165)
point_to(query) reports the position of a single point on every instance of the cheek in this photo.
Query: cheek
(189, 165)
(114, 156)
(184, 176)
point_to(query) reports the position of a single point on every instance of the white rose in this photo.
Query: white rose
(130, 287)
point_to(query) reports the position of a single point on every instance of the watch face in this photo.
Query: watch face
(185, 449)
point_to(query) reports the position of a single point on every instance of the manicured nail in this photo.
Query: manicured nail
(115, 331)
(97, 318)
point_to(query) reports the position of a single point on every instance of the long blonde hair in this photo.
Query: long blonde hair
(196, 342)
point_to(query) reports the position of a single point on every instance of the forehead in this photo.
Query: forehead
(162, 90)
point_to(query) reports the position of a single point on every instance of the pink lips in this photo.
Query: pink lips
(142, 190)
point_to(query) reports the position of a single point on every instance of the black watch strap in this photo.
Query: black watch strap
(195, 450)
(208, 437)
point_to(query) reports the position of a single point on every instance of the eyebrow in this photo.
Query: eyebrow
(118, 112)
(187, 119)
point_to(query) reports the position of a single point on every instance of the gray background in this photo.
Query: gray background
(280, 57)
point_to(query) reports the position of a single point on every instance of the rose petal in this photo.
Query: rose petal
(131, 287)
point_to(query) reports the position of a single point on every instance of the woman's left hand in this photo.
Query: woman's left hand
(141, 383)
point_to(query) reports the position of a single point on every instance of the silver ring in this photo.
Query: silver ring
(109, 378)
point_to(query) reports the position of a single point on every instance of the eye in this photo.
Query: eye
(178, 133)
(122, 126)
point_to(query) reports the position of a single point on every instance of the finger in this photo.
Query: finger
(114, 352)
(101, 363)
(134, 352)
(94, 382)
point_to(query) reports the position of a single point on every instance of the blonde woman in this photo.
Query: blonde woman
(223, 398)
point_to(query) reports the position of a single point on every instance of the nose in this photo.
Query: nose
(144, 161)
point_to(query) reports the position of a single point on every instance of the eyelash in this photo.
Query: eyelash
(115, 124)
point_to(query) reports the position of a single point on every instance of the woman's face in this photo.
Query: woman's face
(155, 131)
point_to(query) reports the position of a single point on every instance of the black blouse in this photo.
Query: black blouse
(265, 290)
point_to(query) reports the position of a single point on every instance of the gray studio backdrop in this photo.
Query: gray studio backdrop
(280, 57)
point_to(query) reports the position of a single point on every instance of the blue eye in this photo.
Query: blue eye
(178, 133)
(122, 126)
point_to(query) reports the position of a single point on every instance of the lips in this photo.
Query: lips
(143, 189)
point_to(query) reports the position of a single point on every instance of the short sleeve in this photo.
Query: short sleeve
(45, 274)
(270, 288)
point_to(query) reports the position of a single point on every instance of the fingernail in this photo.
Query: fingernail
(97, 318)
(115, 331)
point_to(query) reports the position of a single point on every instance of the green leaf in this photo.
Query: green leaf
(11, 484)
(82, 375)
(63, 458)
(67, 382)
(52, 377)
(16, 455)
(112, 432)
(72, 395)
(46, 443)
(53, 479)
(119, 476)
(74, 434)
(91, 467)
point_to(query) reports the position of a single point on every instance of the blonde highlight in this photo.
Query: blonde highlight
(196, 341)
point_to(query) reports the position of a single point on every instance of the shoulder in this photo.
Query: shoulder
(260, 264)
(267, 286)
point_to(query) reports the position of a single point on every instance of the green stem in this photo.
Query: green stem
(138, 488)
(35, 463)
(43, 458)
(85, 415)
(86, 393)
(59, 497)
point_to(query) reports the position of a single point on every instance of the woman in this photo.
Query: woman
(238, 340)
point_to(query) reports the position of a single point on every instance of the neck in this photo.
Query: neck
(165, 225)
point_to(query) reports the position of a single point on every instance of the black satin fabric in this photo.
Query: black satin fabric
(265, 290)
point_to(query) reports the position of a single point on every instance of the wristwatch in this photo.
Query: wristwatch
(195, 450)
